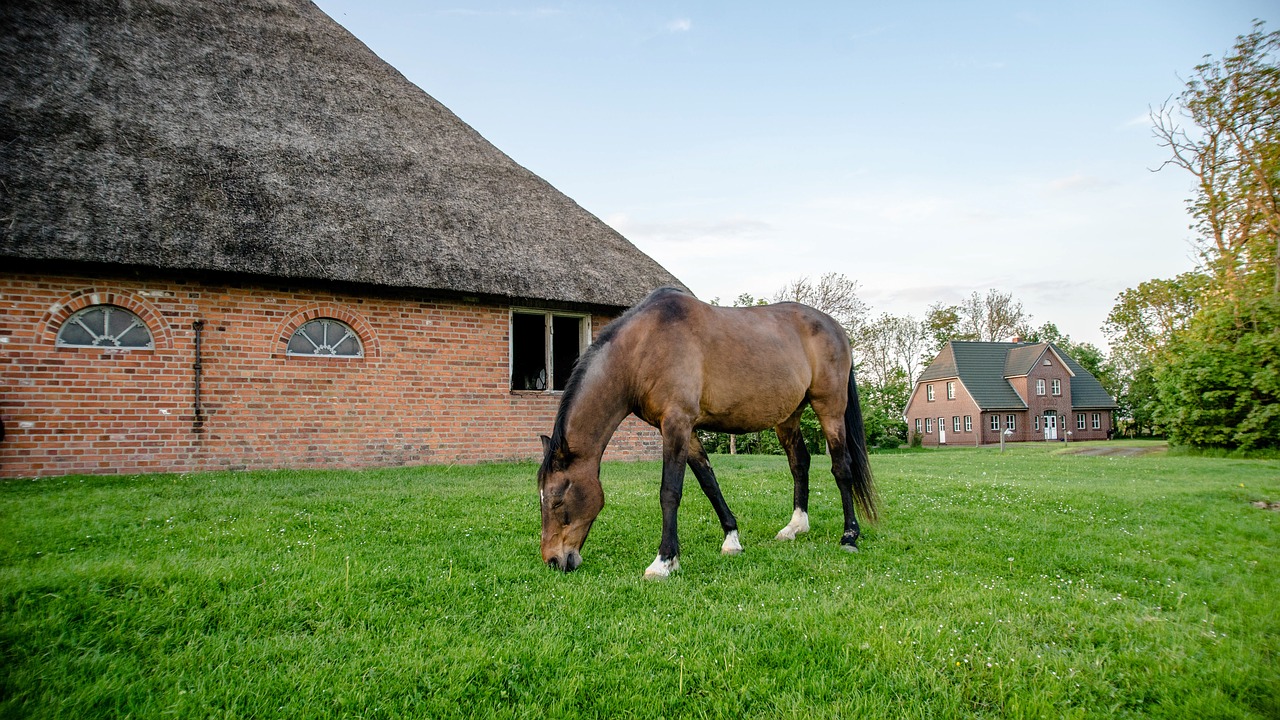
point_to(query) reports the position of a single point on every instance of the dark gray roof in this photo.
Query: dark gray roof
(984, 368)
(259, 136)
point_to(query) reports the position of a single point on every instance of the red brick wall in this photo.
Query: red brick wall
(919, 407)
(433, 386)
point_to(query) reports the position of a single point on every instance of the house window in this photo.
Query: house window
(1057, 386)
(928, 392)
(955, 423)
(1097, 421)
(1036, 422)
(1010, 421)
(1040, 386)
(951, 392)
(1079, 421)
(544, 347)
(919, 425)
(104, 326)
(968, 423)
(928, 425)
(325, 337)
(995, 423)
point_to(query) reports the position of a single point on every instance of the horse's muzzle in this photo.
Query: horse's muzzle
(567, 562)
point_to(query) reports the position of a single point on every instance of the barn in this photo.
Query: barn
(232, 237)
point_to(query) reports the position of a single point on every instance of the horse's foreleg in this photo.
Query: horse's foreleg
(675, 453)
(701, 468)
(792, 441)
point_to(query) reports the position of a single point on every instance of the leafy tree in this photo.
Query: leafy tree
(1219, 386)
(1215, 377)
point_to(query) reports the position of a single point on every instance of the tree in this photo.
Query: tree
(1232, 149)
(1215, 374)
(1219, 386)
(891, 345)
(993, 317)
(1144, 319)
(833, 294)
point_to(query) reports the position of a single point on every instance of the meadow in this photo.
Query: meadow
(1029, 583)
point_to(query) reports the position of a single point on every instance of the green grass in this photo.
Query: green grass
(1025, 584)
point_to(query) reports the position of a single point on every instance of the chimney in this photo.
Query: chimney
(1016, 339)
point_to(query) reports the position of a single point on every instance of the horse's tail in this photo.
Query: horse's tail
(864, 491)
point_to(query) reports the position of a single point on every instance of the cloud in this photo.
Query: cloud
(679, 25)
(1077, 183)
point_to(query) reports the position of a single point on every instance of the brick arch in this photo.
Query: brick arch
(77, 300)
(314, 311)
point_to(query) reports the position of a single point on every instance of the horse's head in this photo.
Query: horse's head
(571, 497)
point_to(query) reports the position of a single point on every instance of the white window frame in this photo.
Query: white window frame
(968, 423)
(928, 392)
(1010, 422)
(329, 344)
(955, 423)
(1040, 386)
(928, 426)
(951, 391)
(1097, 421)
(548, 342)
(1057, 387)
(995, 423)
(919, 426)
(1079, 421)
(107, 340)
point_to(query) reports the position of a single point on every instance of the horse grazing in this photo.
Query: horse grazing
(682, 365)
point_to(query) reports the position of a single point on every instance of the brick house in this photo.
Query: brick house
(973, 392)
(233, 237)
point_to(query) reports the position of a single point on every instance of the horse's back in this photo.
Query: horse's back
(743, 368)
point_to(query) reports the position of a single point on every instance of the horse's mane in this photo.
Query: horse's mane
(580, 367)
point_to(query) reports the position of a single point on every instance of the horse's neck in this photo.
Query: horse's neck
(600, 405)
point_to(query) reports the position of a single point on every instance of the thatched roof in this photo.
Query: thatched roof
(259, 136)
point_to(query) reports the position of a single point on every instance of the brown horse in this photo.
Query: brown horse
(682, 365)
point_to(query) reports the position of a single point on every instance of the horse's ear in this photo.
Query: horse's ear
(546, 444)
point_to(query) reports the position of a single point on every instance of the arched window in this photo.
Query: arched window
(327, 337)
(104, 326)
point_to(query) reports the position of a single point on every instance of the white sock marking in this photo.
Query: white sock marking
(799, 524)
(661, 569)
(732, 545)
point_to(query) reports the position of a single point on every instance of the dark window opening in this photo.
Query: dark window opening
(528, 352)
(566, 345)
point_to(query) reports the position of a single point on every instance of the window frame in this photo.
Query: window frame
(548, 344)
(928, 392)
(951, 390)
(955, 423)
(106, 308)
(968, 423)
(1096, 421)
(919, 426)
(928, 426)
(1011, 422)
(326, 319)
(1057, 387)
(1040, 386)
(994, 425)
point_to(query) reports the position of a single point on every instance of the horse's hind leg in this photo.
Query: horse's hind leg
(833, 428)
(792, 441)
(701, 468)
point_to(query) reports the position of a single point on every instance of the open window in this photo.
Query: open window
(544, 347)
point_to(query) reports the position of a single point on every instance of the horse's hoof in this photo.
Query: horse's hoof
(661, 569)
(732, 545)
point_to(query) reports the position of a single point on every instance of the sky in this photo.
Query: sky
(925, 150)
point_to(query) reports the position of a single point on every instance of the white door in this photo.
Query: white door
(1050, 427)
(942, 432)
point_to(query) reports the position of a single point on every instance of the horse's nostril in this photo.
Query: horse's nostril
(554, 563)
(572, 562)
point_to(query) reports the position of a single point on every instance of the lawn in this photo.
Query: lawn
(1031, 583)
